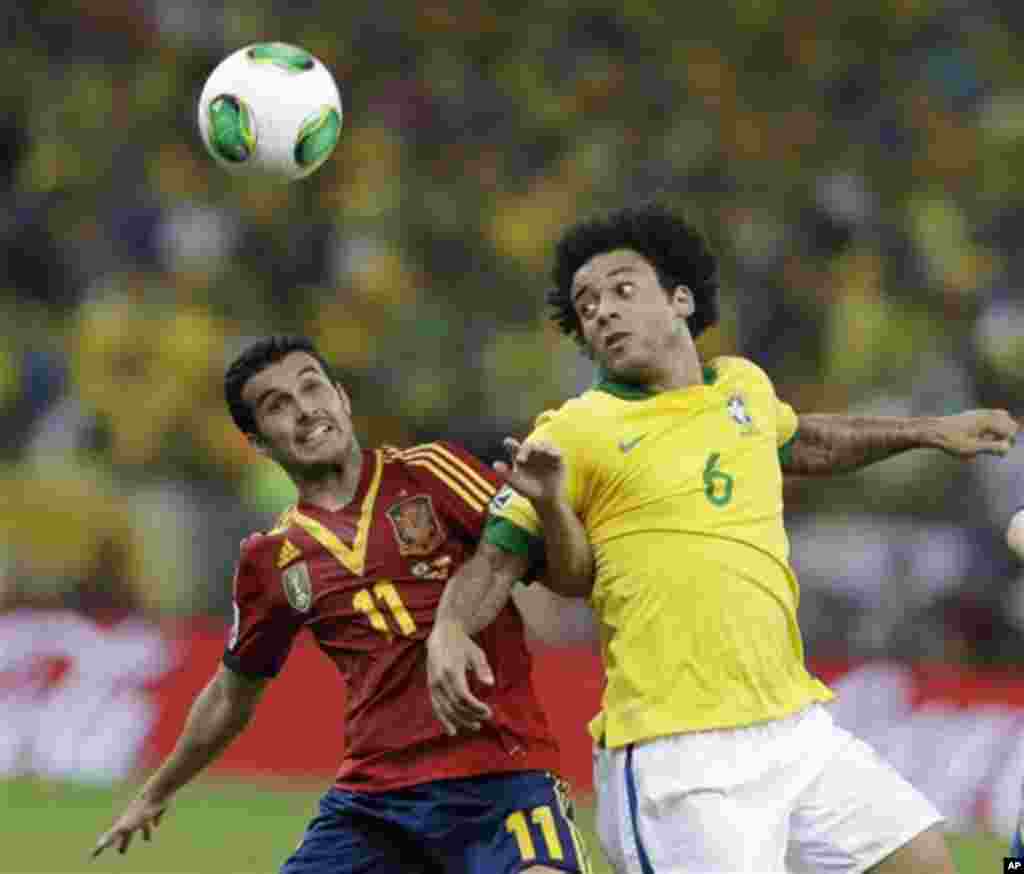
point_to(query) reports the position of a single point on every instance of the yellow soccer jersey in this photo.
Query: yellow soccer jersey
(681, 496)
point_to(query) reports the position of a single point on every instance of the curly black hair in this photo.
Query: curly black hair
(254, 358)
(675, 249)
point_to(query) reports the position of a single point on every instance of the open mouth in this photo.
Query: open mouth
(316, 433)
(615, 339)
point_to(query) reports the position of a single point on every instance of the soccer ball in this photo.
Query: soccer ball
(270, 109)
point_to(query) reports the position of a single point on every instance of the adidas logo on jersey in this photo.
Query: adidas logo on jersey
(289, 552)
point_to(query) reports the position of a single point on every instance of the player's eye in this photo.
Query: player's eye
(625, 289)
(586, 308)
(316, 385)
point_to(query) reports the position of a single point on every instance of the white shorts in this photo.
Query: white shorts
(797, 794)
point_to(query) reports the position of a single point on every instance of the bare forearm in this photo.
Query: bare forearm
(555, 620)
(829, 444)
(495, 597)
(213, 722)
(475, 595)
(567, 551)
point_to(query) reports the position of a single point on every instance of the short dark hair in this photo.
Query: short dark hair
(675, 249)
(254, 358)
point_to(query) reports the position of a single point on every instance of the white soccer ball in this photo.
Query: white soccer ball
(1015, 533)
(270, 109)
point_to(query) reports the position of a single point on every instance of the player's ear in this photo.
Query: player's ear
(682, 299)
(345, 402)
(258, 443)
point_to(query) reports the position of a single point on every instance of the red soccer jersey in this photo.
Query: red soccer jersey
(366, 580)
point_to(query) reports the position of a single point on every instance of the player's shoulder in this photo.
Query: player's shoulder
(442, 453)
(577, 414)
(446, 462)
(437, 448)
(262, 549)
(736, 369)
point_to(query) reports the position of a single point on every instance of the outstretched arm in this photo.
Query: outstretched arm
(218, 714)
(830, 444)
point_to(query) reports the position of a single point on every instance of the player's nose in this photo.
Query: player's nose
(606, 311)
(307, 409)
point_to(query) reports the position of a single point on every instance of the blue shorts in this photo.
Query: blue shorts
(495, 824)
(1017, 845)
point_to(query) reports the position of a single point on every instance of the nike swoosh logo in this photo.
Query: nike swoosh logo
(627, 445)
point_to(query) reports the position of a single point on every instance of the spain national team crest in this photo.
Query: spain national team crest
(297, 586)
(417, 528)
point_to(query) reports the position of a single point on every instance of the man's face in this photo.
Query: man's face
(631, 324)
(304, 419)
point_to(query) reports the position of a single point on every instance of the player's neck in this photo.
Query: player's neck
(681, 370)
(336, 486)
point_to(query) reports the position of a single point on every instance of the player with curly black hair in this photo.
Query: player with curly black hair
(673, 247)
(713, 751)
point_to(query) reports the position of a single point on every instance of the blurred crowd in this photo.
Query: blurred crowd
(857, 167)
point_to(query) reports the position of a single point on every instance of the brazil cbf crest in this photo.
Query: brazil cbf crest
(740, 415)
(417, 528)
(297, 586)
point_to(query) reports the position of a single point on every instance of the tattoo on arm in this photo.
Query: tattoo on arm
(829, 444)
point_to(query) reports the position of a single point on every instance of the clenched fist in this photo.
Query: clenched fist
(976, 432)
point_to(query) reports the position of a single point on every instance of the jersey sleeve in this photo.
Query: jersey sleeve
(786, 420)
(513, 524)
(460, 483)
(786, 424)
(265, 625)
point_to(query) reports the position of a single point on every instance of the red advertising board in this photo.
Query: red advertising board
(81, 701)
(287, 738)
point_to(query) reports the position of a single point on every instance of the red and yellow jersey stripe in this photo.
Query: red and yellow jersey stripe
(462, 477)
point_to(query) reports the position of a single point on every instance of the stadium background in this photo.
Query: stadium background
(856, 166)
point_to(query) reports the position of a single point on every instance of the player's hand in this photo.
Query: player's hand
(977, 432)
(536, 471)
(451, 654)
(141, 815)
